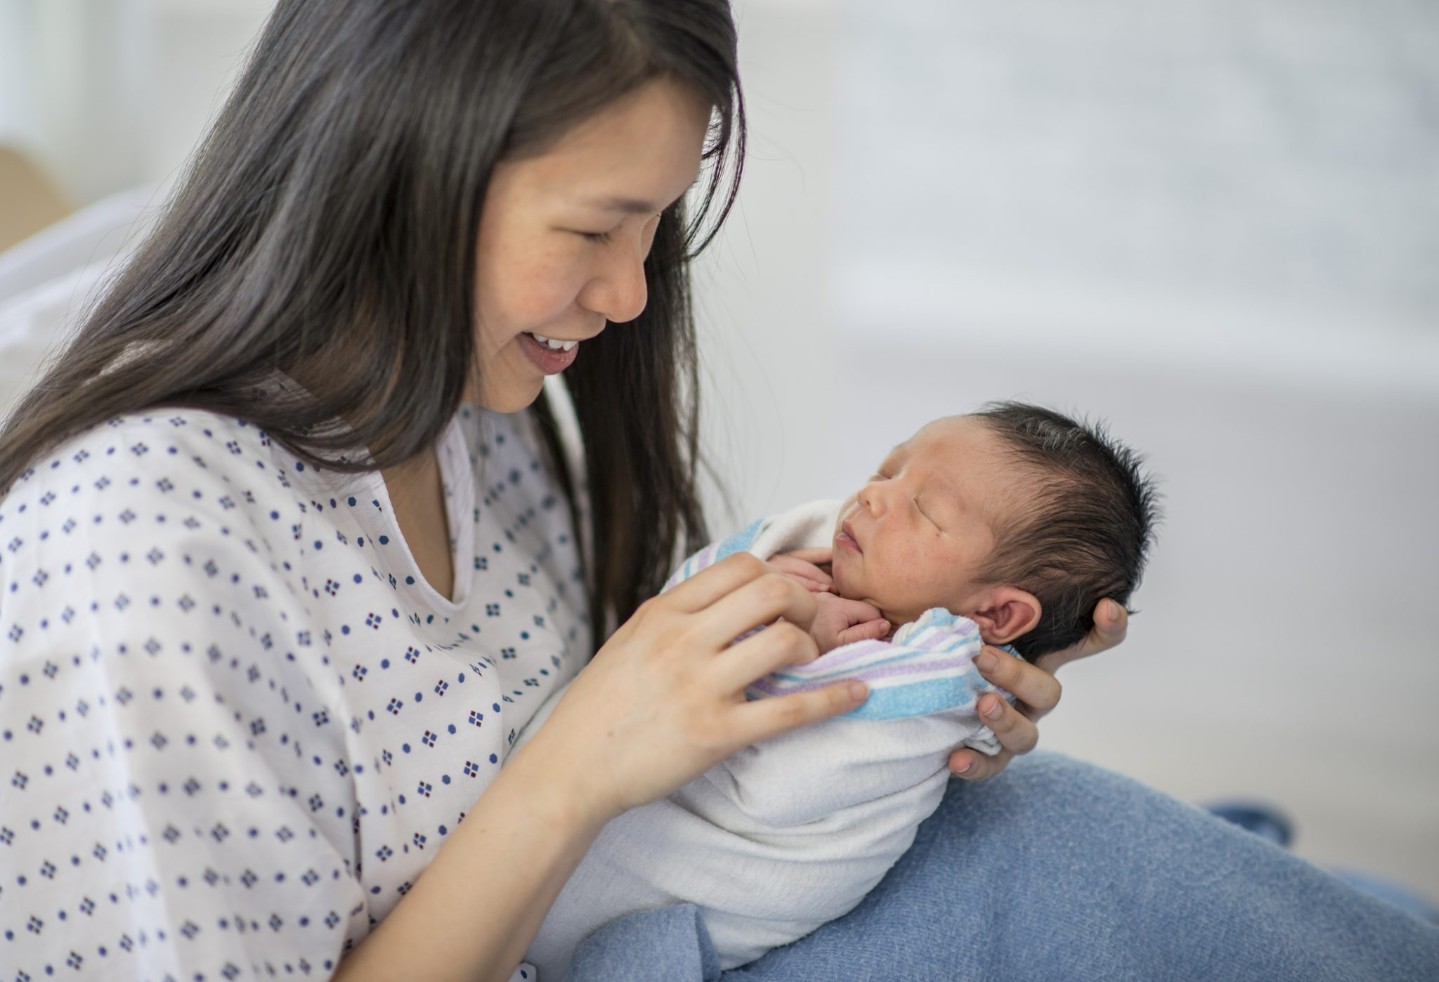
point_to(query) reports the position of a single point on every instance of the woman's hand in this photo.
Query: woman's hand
(1036, 691)
(664, 699)
(661, 702)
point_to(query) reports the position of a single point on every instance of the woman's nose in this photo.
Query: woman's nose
(618, 290)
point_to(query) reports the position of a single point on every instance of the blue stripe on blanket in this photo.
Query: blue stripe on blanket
(921, 699)
(740, 541)
(929, 646)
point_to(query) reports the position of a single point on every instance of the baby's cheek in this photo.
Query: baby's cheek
(912, 578)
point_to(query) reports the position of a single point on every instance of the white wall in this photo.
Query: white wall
(1212, 224)
(108, 94)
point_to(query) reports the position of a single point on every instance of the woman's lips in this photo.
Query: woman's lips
(547, 359)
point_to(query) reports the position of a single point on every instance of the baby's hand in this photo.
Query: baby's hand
(838, 622)
(804, 567)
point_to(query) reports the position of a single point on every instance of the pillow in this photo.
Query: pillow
(48, 280)
(37, 323)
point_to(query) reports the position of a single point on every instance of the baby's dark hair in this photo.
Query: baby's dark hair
(1087, 531)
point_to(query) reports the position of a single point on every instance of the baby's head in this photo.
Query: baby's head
(1017, 517)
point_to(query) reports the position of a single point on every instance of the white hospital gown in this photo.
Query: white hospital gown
(235, 720)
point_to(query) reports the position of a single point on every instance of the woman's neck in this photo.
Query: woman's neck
(417, 496)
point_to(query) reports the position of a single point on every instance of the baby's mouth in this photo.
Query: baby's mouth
(844, 538)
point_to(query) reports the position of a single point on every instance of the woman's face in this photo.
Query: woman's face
(564, 235)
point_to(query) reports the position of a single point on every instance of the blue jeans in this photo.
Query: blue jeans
(1062, 870)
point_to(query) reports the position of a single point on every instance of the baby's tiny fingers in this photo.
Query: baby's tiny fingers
(819, 555)
(802, 571)
(868, 631)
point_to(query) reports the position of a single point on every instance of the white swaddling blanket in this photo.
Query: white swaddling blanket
(789, 834)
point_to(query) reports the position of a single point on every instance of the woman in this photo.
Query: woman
(276, 603)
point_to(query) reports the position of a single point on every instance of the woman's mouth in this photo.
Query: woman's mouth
(550, 355)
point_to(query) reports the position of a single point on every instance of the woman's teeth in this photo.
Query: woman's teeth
(552, 344)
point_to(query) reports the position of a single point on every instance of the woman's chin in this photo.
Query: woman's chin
(513, 397)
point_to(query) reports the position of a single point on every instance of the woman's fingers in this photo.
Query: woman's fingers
(971, 765)
(714, 582)
(760, 654)
(1035, 688)
(753, 603)
(765, 718)
(740, 592)
(1111, 624)
(1015, 731)
(1036, 692)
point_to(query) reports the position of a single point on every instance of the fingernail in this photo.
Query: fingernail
(858, 691)
(985, 661)
(994, 710)
(966, 767)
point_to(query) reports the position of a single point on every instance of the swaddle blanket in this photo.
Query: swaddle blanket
(924, 669)
(789, 834)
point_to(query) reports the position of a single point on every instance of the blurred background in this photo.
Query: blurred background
(1213, 224)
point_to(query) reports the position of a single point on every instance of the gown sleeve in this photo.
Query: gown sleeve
(175, 799)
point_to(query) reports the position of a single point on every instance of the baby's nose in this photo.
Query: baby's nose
(872, 497)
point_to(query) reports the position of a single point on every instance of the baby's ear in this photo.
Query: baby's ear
(1006, 612)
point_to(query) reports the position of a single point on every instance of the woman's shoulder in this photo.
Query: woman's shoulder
(175, 505)
(164, 475)
(139, 441)
(155, 454)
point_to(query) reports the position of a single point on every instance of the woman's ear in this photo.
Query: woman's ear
(1006, 612)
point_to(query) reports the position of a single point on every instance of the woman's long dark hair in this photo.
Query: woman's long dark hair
(326, 228)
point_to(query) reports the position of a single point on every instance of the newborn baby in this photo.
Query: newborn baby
(1005, 527)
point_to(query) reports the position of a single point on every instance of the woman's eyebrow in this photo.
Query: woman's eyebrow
(630, 206)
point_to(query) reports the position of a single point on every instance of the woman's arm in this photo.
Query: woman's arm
(481, 900)
(160, 675)
(1036, 692)
(659, 704)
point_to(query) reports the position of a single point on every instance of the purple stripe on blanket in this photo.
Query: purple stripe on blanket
(897, 671)
(944, 658)
(934, 640)
(926, 640)
(852, 652)
(769, 688)
(779, 683)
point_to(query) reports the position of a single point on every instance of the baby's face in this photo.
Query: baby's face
(917, 534)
